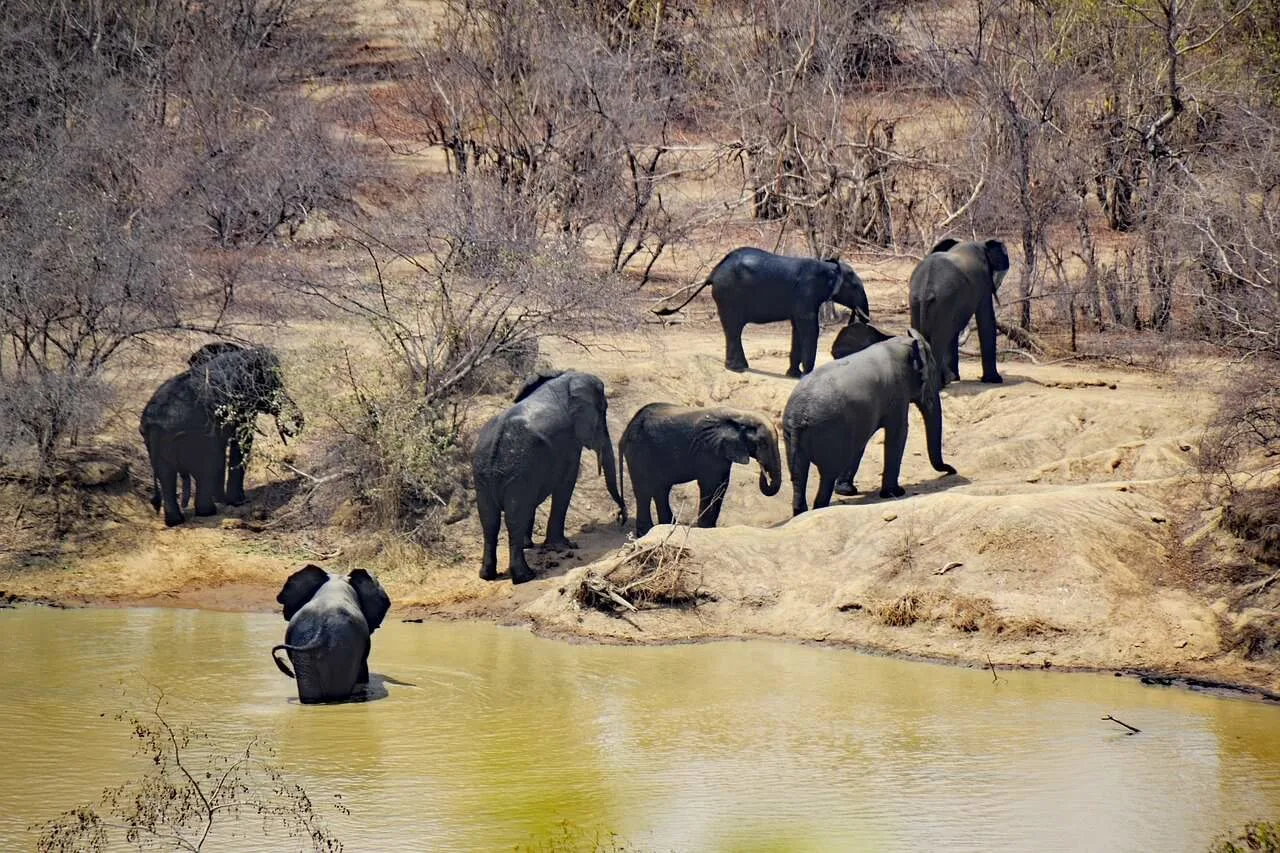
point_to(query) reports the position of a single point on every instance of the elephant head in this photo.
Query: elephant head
(303, 584)
(997, 258)
(584, 399)
(855, 337)
(240, 383)
(740, 436)
(925, 390)
(847, 289)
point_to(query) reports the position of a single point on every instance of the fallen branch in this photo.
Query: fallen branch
(948, 567)
(1133, 730)
(1021, 337)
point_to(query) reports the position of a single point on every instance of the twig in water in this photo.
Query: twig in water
(994, 678)
(1132, 729)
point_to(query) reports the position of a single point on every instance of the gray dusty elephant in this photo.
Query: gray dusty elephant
(955, 282)
(200, 424)
(832, 414)
(531, 452)
(665, 444)
(754, 286)
(331, 618)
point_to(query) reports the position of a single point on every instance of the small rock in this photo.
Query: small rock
(1159, 519)
(1181, 644)
(1047, 663)
(1185, 448)
(1112, 386)
(890, 516)
(1034, 479)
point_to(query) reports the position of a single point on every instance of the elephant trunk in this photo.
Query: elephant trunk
(607, 462)
(931, 409)
(770, 464)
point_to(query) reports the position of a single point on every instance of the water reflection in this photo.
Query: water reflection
(483, 738)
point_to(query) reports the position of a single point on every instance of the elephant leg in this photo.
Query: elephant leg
(490, 522)
(826, 485)
(517, 524)
(662, 497)
(167, 486)
(363, 676)
(845, 482)
(953, 358)
(895, 442)
(206, 479)
(804, 344)
(644, 514)
(528, 534)
(560, 509)
(239, 446)
(735, 358)
(987, 340)
(711, 494)
(185, 479)
(799, 464)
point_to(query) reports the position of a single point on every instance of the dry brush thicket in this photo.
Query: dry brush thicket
(157, 160)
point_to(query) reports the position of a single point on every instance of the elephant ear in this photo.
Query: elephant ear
(921, 361)
(729, 439)
(374, 602)
(588, 408)
(998, 263)
(300, 587)
(944, 245)
(535, 382)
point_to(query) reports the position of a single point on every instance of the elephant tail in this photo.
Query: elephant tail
(281, 664)
(663, 312)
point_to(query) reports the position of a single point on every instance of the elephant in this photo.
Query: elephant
(330, 618)
(665, 444)
(204, 354)
(954, 282)
(194, 419)
(833, 412)
(754, 286)
(855, 337)
(532, 451)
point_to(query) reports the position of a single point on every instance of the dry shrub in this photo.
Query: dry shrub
(902, 611)
(1254, 516)
(970, 614)
(646, 576)
(974, 614)
(1255, 633)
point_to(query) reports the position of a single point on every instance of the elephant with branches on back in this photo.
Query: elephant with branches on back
(200, 424)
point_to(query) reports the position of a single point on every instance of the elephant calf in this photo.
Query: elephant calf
(754, 286)
(832, 414)
(331, 618)
(665, 444)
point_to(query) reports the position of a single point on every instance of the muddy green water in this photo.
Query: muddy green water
(721, 747)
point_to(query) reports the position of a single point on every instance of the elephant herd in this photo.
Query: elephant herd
(531, 451)
(200, 425)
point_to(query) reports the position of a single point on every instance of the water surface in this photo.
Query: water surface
(731, 746)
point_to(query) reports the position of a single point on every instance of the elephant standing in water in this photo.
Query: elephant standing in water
(665, 444)
(754, 286)
(954, 282)
(832, 414)
(194, 419)
(531, 452)
(331, 618)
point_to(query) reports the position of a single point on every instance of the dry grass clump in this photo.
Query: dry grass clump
(966, 613)
(645, 577)
(1255, 633)
(1254, 516)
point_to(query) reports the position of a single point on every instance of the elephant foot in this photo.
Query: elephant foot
(735, 367)
(235, 501)
(174, 520)
(993, 379)
(560, 545)
(488, 573)
(155, 504)
(793, 373)
(893, 492)
(845, 487)
(208, 510)
(522, 577)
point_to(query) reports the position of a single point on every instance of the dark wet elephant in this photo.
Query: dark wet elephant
(955, 282)
(665, 444)
(532, 452)
(331, 618)
(855, 337)
(833, 412)
(754, 286)
(197, 419)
